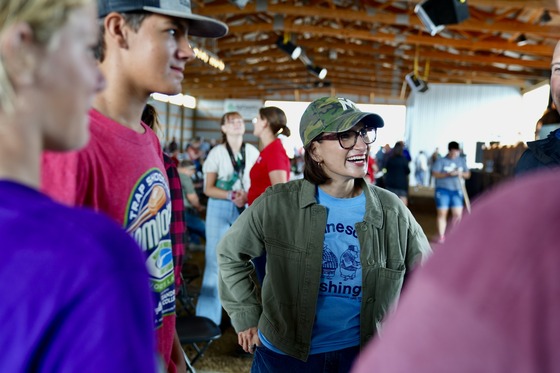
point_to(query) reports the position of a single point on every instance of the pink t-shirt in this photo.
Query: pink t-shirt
(272, 158)
(488, 300)
(121, 173)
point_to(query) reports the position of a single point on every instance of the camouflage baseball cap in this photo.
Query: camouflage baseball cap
(333, 114)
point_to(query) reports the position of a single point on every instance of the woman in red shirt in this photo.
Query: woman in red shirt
(273, 165)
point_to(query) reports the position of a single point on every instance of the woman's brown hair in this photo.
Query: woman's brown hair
(276, 119)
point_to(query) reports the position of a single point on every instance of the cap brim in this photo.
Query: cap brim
(350, 120)
(198, 26)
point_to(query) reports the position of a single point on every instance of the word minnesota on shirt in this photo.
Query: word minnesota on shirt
(341, 228)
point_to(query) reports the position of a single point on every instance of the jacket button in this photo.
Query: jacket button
(364, 227)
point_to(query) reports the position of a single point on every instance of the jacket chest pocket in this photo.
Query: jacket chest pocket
(284, 265)
(388, 287)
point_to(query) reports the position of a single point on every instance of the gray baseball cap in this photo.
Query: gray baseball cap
(198, 25)
(333, 114)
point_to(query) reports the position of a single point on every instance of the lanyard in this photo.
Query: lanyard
(238, 165)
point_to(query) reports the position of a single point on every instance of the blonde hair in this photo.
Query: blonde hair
(44, 17)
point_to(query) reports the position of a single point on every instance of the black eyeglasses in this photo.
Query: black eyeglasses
(348, 139)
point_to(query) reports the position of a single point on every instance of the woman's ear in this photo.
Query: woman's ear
(19, 54)
(314, 152)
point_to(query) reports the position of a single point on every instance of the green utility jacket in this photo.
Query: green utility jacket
(287, 223)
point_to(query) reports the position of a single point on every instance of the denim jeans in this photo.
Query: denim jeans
(420, 177)
(220, 215)
(267, 361)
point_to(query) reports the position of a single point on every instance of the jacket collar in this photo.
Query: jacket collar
(374, 208)
(307, 195)
(374, 212)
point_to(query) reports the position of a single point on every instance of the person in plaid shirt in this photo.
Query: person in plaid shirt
(178, 226)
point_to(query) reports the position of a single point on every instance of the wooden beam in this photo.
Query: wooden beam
(385, 18)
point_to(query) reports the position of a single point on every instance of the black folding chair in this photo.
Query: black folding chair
(197, 331)
(187, 293)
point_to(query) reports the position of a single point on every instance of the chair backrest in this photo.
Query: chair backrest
(197, 331)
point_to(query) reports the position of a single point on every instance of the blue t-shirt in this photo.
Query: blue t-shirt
(337, 320)
(446, 164)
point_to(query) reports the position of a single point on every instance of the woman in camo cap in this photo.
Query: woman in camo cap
(338, 250)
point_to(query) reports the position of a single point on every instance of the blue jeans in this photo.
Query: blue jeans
(220, 215)
(420, 177)
(446, 198)
(267, 361)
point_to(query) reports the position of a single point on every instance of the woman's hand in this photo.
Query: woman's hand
(249, 339)
(240, 198)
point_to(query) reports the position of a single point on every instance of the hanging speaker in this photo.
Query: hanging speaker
(479, 153)
(434, 14)
(415, 83)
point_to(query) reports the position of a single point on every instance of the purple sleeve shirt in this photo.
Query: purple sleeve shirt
(74, 295)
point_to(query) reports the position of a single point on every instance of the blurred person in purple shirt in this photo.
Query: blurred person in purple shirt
(74, 295)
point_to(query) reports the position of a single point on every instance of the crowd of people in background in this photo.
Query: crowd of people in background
(389, 168)
(197, 148)
(399, 155)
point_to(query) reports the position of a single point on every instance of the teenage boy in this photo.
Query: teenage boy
(143, 49)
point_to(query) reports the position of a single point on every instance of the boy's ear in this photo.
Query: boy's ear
(115, 29)
(19, 54)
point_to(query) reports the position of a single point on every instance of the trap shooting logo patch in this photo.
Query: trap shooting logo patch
(148, 219)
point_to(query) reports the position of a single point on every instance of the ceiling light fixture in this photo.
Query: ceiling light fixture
(522, 40)
(287, 46)
(320, 72)
(416, 83)
(178, 99)
(208, 58)
(545, 17)
(435, 14)
(426, 20)
(240, 3)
